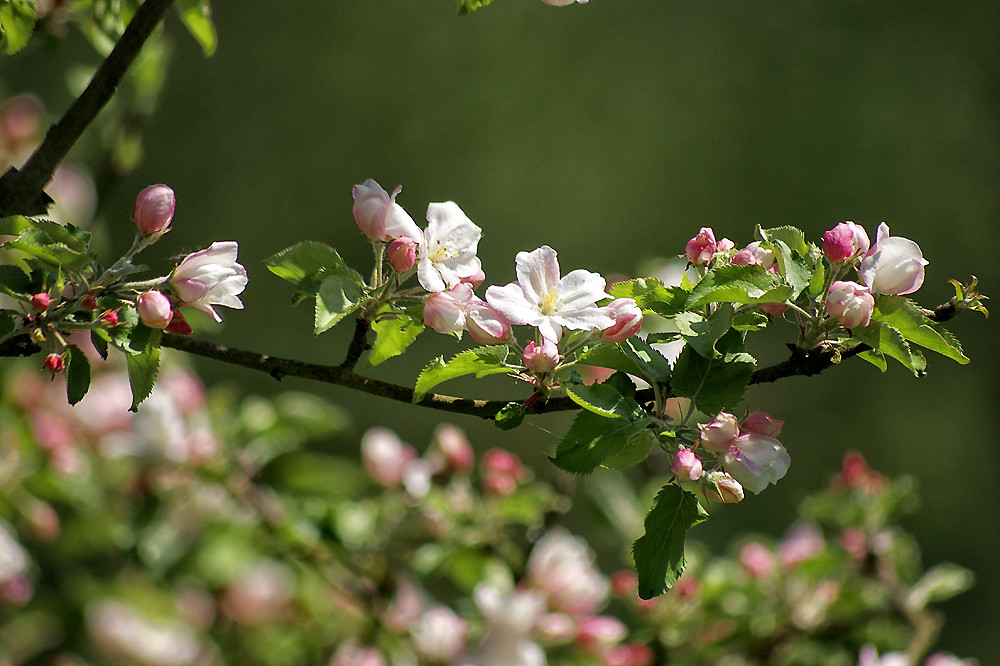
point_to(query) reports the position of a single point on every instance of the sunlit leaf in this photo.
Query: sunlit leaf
(659, 553)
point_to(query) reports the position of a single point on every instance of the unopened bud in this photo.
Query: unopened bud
(485, 324)
(686, 466)
(89, 302)
(722, 488)
(154, 209)
(110, 318)
(628, 320)
(719, 435)
(54, 363)
(154, 309)
(40, 301)
(178, 324)
(402, 254)
(541, 357)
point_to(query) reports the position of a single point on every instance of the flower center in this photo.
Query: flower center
(550, 303)
(442, 250)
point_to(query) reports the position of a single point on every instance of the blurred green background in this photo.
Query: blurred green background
(612, 131)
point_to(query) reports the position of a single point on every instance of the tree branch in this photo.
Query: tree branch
(22, 192)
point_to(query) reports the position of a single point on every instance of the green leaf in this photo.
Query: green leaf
(607, 355)
(467, 6)
(7, 319)
(907, 318)
(793, 267)
(876, 358)
(602, 399)
(818, 280)
(510, 416)
(306, 259)
(651, 296)
(714, 383)
(701, 333)
(750, 321)
(338, 296)
(592, 439)
(393, 334)
(480, 362)
(77, 375)
(886, 339)
(197, 17)
(144, 366)
(738, 284)
(100, 339)
(659, 553)
(794, 238)
(637, 449)
(17, 21)
(656, 368)
(14, 281)
(57, 245)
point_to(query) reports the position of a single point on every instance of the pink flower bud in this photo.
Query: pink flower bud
(485, 324)
(761, 423)
(623, 583)
(744, 257)
(724, 245)
(54, 363)
(632, 654)
(802, 542)
(893, 265)
(379, 216)
(851, 304)
(385, 457)
(755, 461)
(761, 255)
(720, 434)
(154, 209)
(402, 254)
(89, 302)
(444, 311)
(110, 318)
(686, 466)
(701, 248)
(502, 471)
(178, 324)
(598, 632)
(628, 320)
(720, 487)
(543, 357)
(40, 301)
(154, 309)
(475, 279)
(210, 277)
(844, 241)
(454, 447)
(757, 560)
(774, 309)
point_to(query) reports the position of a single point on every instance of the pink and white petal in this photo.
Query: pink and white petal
(537, 272)
(510, 301)
(429, 277)
(399, 224)
(550, 329)
(581, 288)
(586, 319)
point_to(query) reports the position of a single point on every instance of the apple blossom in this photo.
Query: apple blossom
(893, 265)
(485, 324)
(851, 303)
(440, 634)
(562, 567)
(844, 241)
(761, 423)
(379, 216)
(719, 435)
(803, 541)
(755, 461)
(763, 256)
(757, 560)
(210, 277)
(744, 257)
(402, 254)
(448, 251)
(701, 248)
(542, 299)
(599, 632)
(628, 320)
(154, 209)
(154, 309)
(724, 245)
(774, 309)
(475, 279)
(511, 618)
(502, 471)
(454, 447)
(444, 311)
(686, 466)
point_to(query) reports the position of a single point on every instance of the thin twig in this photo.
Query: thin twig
(22, 191)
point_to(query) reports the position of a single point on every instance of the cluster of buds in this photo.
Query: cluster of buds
(747, 452)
